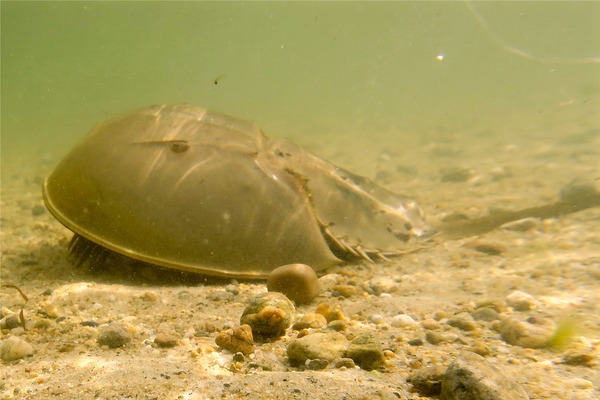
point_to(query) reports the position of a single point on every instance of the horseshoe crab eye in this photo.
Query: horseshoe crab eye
(179, 147)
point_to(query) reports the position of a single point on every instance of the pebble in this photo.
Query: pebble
(416, 342)
(269, 314)
(331, 313)
(378, 286)
(375, 318)
(366, 352)
(485, 314)
(15, 348)
(534, 332)
(237, 340)
(470, 376)
(482, 349)
(114, 335)
(403, 320)
(520, 301)
(42, 324)
(491, 248)
(337, 325)
(310, 320)
(493, 303)
(434, 337)
(298, 282)
(344, 362)
(428, 381)
(325, 346)
(584, 358)
(316, 365)
(430, 324)
(345, 290)
(463, 324)
(10, 321)
(165, 340)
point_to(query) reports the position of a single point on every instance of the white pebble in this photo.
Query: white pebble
(403, 320)
(375, 318)
(520, 301)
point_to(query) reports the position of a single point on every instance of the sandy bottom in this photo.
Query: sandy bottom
(557, 262)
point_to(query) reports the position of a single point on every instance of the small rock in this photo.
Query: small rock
(434, 337)
(380, 285)
(330, 313)
(482, 349)
(534, 332)
(490, 248)
(89, 323)
(471, 377)
(51, 311)
(376, 318)
(310, 320)
(10, 321)
(42, 324)
(485, 314)
(338, 325)
(493, 303)
(298, 282)
(366, 352)
(416, 342)
(584, 358)
(269, 314)
(237, 340)
(325, 346)
(114, 335)
(165, 340)
(403, 320)
(430, 324)
(520, 301)
(344, 362)
(428, 381)
(316, 365)
(462, 323)
(15, 348)
(345, 290)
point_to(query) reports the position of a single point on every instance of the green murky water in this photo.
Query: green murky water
(304, 68)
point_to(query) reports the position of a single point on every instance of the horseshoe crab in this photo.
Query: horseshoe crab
(186, 188)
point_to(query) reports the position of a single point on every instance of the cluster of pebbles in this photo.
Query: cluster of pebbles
(320, 337)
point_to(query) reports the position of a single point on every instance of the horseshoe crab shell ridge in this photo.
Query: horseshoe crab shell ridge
(190, 189)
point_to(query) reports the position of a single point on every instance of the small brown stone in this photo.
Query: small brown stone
(165, 340)
(462, 324)
(114, 335)
(331, 313)
(428, 381)
(298, 282)
(345, 290)
(269, 314)
(237, 340)
(490, 248)
(311, 320)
